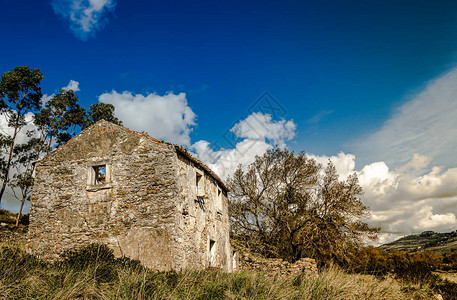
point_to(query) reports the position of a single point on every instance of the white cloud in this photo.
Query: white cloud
(165, 117)
(426, 124)
(344, 163)
(45, 98)
(255, 135)
(225, 161)
(401, 201)
(419, 191)
(72, 85)
(85, 16)
(259, 126)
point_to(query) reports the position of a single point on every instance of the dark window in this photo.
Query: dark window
(99, 174)
(198, 184)
(212, 253)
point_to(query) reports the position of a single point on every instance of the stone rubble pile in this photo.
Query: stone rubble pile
(277, 265)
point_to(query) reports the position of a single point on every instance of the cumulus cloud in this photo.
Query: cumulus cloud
(401, 201)
(259, 127)
(427, 124)
(165, 117)
(72, 85)
(225, 161)
(344, 163)
(409, 169)
(85, 16)
(254, 135)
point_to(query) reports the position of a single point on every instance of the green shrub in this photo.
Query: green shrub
(25, 219)
(415, 268)
(98, 257)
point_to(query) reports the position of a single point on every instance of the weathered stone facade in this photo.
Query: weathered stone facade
(145, 199)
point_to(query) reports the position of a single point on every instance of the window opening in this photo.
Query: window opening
(212, 253)
(219, 201)
(234, 258)
(100, 174)
(198, 184)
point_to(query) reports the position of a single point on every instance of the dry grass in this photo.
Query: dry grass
(25, 277)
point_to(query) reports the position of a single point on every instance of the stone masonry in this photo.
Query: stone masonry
(144, 198)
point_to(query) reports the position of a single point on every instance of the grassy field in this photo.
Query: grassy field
(94, 273)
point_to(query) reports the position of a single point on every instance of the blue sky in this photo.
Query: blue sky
(356, 59)
(349, 75)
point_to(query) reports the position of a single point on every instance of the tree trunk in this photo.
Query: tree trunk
(20, 211)
(8, 165)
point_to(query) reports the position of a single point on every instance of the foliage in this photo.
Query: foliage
(22, 182)
(101, 111)
(370, 260)
(20, 94)
(414, 267)
(60, 118)
(285, 205)
(26, 277)
(450, 259)
(20, 90)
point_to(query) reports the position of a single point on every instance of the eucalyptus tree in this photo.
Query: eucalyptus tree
(22, 180)
(20, 94)
(58, 121)
(101, 111)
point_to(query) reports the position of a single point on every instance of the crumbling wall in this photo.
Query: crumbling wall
(133, 212)
(202, 220)
(277, 265)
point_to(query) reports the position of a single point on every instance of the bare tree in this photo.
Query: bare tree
(285, 205)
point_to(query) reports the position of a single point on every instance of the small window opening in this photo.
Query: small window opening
(198, 184)
(100, 174)
(234, 259)
(219, 202)
(212, 253)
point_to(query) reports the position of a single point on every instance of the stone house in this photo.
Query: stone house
(144, 198)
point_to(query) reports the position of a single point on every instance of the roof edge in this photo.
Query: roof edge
(186, 153)
(179, 148)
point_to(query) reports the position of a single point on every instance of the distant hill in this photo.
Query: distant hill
(438, 243)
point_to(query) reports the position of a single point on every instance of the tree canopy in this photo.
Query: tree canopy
(54, 123)
(287, 205)
(20, 94)
(60, 118)
(101, 111)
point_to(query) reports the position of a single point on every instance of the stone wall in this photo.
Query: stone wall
(202, 220)
(145, 207)
(276, 265)
(133, 212)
